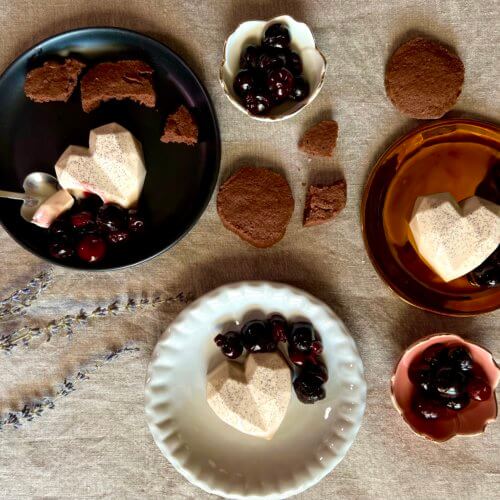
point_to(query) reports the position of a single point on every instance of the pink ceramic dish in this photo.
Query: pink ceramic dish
(467, 422)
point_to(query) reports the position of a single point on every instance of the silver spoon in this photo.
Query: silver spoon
(38, 186)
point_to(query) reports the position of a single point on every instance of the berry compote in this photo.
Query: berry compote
(270, 73)
(446, 380)
(276, 333)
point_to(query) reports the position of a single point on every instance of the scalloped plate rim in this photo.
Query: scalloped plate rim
(288, 490)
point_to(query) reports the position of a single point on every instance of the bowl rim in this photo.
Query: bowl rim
(217, 137)
(284, 116)
(428, 339)
(366, 192)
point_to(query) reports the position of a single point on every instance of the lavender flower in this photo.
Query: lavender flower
(36, 408)
(20, 300)
(67, 325)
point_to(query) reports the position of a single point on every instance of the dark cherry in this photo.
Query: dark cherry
(230, 344)
(316, 347)
(90, 202)
(257, 103)
(250, 57)
(429, 409)
(301, 358)
(458, 403)
(461, 358)
(61, 249)
(450, 383)
(420, 374)
(298, 358)
(111, 217)
(479, 389)
(257, 336)
(118, 237)
(91, 248)
(489, 188)
(302, 336)
(82, 220)
(61, 226)
(279, 327)
(488, 273)
(318, 369)
(245, 81)
(136, 223)
(309, 388)
(435, 353)
(294, 63)
(280, 83)
(271, 59)
(277, 36)
(300, 89)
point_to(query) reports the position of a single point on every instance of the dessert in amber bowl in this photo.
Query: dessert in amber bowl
(455, 156)
(434, 412)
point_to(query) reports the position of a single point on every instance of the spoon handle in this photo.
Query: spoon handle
(13, 196)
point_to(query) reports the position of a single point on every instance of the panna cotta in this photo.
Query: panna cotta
(454, 238)
(252, 397)
(112, 167)
(52, 208)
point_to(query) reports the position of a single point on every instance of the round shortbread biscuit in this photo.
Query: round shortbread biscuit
(256, 204)
(423, 79)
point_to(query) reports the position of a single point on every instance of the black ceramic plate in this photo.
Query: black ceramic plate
(180, 179)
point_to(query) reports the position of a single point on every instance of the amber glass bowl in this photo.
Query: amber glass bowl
(444, 156)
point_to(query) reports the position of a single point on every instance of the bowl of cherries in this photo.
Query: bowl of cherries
(96, 235)
(299, 343)
(272, 69)
(444, 386)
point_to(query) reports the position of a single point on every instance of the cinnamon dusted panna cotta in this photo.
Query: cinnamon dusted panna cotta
(454, 238)
(252, 397)
(112, 167)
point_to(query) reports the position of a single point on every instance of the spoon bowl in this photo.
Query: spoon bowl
(37, 186)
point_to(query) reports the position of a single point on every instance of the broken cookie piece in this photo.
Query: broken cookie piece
(181, 127)
(320, 140)
(118, 80)
(323, 203)
(54, 81)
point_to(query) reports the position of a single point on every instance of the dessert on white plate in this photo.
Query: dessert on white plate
(455, 238)
(252, 397)
(312, 438)
(112, 167)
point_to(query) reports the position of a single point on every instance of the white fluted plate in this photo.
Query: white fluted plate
(312, 439)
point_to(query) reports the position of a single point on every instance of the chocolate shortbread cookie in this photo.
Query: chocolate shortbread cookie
(54, 81)
(323, 203)
(320, 139)
(180, 127)
(256, 204)
(118, 80)
(423, 79)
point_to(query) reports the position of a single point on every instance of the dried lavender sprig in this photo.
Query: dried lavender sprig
(36, 407)
(67, 325)
(21, 299)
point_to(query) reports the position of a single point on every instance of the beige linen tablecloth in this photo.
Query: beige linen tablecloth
(95, 442)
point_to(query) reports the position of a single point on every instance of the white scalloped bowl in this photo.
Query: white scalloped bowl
(312, 439)
(302, 42)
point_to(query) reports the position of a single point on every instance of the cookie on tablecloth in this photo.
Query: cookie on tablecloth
(423, 78)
